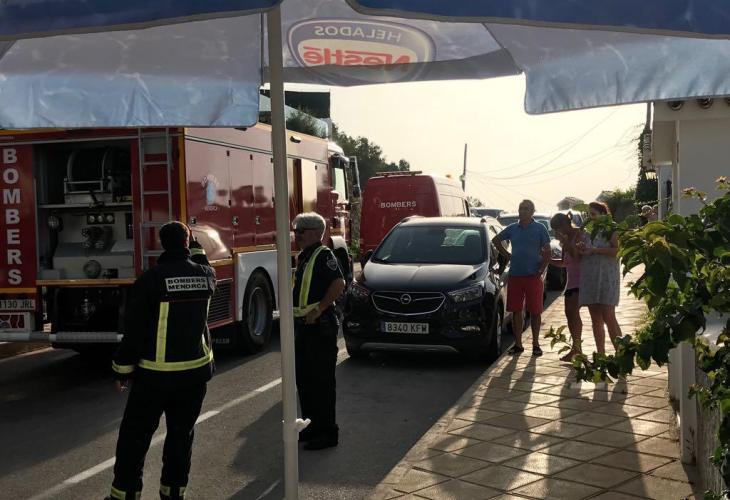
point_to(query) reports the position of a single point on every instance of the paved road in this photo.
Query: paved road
(59, 419)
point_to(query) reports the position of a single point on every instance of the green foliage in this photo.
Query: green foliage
(474, 201)
(369, 155)
(646, 189)
(620, 202)
(354, 248)
(686, 275)
(301, 121)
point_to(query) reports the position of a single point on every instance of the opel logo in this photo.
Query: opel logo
(405, 299)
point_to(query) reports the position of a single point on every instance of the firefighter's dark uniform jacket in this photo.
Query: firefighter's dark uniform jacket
(165, 327)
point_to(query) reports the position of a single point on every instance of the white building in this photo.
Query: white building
(691, 148)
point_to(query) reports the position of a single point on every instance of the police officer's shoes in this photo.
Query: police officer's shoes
(321, 442)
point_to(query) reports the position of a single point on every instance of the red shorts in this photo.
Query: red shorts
(524, 291)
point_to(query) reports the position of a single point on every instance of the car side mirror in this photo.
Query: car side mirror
(365, 258)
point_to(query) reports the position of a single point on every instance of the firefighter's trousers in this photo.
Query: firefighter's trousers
(150, 397)
(316, 360)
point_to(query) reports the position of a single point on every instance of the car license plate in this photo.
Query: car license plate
(416, 328)
(17, 305)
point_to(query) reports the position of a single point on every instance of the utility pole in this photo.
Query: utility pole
(463, 174)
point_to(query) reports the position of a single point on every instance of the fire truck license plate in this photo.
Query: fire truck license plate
(417, 328)
(17, 304)
(14, 322)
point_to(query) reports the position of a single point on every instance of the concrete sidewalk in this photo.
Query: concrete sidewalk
(527, 430)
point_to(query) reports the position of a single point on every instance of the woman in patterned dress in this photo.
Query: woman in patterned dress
(600, 280)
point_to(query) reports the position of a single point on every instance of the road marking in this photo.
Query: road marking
(269, 489)
(27, 354)
(109, 463)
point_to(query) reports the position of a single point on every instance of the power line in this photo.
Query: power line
(570, 145)
(563, 174)
(544, 172)
(490, 194)
(598, 156)
(523, 195)
(619, 144)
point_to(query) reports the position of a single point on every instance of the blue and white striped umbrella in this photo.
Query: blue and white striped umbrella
(704, 18)
(200, 62)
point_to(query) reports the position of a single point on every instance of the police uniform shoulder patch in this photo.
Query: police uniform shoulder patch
(331, 262)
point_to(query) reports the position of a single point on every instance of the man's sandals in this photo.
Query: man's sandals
(515, 349)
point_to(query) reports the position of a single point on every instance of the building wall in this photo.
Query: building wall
(704, 155)
(708, 420)
(703, 145)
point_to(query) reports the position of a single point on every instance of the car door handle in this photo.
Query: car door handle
(258, 220)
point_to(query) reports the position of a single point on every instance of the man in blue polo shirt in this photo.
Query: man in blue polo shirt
(529, 259)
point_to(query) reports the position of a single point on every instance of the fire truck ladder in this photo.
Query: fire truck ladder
(145, 223)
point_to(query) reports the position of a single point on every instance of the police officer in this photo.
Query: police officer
(166, 351)
(318, 283)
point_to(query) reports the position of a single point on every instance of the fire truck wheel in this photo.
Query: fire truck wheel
(254, 331)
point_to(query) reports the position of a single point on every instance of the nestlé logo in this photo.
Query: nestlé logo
(345, 43)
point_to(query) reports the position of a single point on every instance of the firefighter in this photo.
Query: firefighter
(166, 353)
(318, 283)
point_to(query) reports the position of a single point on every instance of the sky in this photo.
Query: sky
(511, 155)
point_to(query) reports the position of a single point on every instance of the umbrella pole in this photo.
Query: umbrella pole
(283, 256)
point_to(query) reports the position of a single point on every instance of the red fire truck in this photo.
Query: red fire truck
(80, 211)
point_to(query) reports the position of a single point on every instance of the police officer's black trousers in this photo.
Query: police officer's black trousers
(149, 398)
(316, 360)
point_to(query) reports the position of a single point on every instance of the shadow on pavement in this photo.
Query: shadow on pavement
(55, 402)
(385, 404)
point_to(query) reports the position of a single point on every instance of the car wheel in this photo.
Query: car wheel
(493, 347)
(355, 352)
(495, 342)
(254, 332)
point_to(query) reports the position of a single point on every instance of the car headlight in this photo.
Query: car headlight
(359, 292)
(473, 292)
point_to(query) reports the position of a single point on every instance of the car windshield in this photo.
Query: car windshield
(511, 219)
(432, 245)
(506, 220)
(482, 212)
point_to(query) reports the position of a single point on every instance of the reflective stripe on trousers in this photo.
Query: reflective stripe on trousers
(172, 493)
(118, 494)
